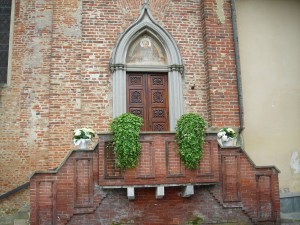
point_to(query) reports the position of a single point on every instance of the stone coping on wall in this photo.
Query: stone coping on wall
(55, 170)
(209, 131)
(157, 185)
(249, 159)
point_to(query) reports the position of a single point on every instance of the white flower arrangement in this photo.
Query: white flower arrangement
(83, 133)
(226, 134)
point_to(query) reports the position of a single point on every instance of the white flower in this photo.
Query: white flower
(230, 130)
(77, 132)
(83, 133)
(221, 134)
(224, 138)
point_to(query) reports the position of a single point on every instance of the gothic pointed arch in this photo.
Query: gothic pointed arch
(167, 58)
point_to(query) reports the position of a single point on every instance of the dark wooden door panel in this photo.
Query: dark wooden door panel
(136, 96)
(147, 97)
(158, 98)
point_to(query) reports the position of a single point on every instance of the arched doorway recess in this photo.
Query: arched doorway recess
(145, 48)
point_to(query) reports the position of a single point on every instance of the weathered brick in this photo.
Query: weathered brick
(61, 79)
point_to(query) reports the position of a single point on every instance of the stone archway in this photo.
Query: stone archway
(146, 26)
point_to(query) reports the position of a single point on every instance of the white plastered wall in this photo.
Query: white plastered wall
(269, 41)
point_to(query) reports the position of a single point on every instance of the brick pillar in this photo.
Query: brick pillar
(220, 63)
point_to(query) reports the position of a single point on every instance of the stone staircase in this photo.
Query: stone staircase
(87, 188)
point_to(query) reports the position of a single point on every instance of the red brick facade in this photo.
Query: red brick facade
(61, 81)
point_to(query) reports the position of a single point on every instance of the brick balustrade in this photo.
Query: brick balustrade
(159, 164)
(76, 190)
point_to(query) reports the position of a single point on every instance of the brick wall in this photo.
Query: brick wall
(61, 80)
(172, 209)
(220, 64)
(24, 106)
(256, 187)
(57, 196)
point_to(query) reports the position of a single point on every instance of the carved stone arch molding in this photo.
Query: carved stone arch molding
(146, 25)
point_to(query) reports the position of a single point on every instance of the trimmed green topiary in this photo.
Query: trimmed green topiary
(190, 135)
(126, 133)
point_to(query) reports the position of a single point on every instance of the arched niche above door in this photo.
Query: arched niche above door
(146, 50)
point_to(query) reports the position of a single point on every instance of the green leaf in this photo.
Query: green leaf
(126, 131)
(190, 135)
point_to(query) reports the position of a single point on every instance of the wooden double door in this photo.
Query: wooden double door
(147, 97)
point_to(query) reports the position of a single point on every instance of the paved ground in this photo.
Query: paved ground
(290, 223)
(290, 218)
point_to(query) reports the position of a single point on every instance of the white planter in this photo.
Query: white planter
(82, 143)
(230, 142)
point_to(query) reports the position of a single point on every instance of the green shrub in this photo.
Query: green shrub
(190, 135)
(126, 134)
